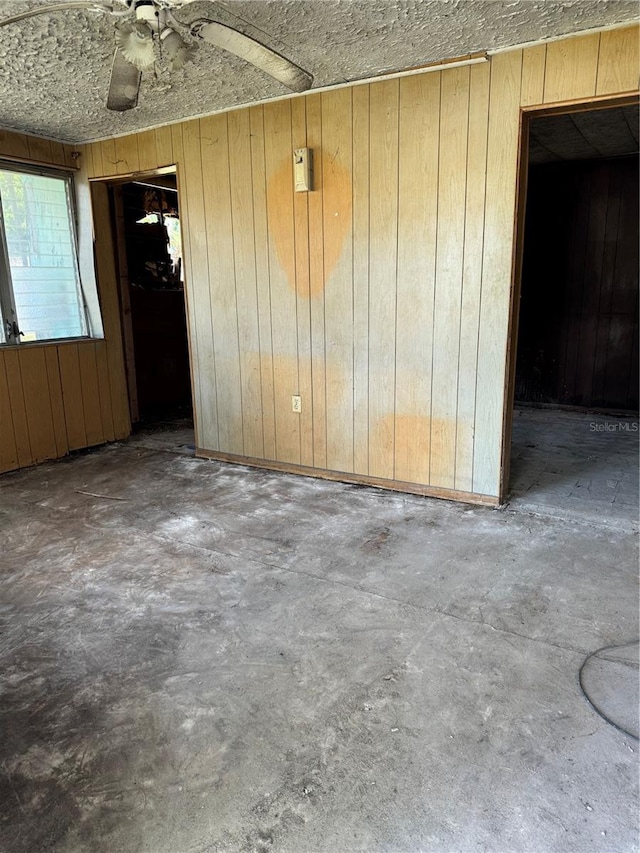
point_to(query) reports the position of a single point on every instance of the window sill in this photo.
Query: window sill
(50, 342)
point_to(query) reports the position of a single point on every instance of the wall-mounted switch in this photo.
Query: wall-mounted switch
(296, 404)
(303, 170)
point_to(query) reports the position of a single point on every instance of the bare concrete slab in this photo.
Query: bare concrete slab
(200, 657)
(576, 465)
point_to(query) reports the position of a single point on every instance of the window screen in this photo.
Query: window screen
(42, 282)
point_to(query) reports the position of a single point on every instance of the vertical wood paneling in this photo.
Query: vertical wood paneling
(90, 394)
(244, 258)
(338, 275)
(222, 282)
(303, 293)
(571, 68)
(417, 225)
(164, 146)
(72, 395)
(502, 161)
(56, 400)
(14, 144)
(263, 284)
(618, 61)
(279, 171)
(147, 151)
(71, 161)
(476, 168)
(35, 386)
(452, 185)
(360, 214)
(96, 159)
(8, 450)
(40, 149)
(190, 148)
(170, 144)
(316, 285)
(127, 158)
(533, 71)
(15, 393)
(104, 391)
(109, 157)
(58, 154)
(383, 250)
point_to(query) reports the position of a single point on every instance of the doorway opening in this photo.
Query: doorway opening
(146, 226)
(575, 418)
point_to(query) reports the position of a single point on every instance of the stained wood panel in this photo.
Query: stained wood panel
(263, 287)
(222, 282)
(244, 261)
(127, 157)
(35, 386)
(338, 275)
(383, 249)
(56, 401)
(452, 187)
(15, 392)
(316, 286)
(90, 394)
(284, 332)
(303, 292)
(419, 153)
(8, 449)
(361, 145)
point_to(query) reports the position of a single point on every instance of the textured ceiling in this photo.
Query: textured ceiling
(584, 136)
(54, 68)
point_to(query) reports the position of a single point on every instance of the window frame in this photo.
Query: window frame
(7, 295)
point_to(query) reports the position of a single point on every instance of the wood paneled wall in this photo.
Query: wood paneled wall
(34, 149)
(382, 297)
(60, 397)
(578, 339)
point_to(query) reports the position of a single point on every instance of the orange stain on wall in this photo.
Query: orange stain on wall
(411, 436)
(336, 186)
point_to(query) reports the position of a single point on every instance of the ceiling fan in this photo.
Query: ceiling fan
(145, 29)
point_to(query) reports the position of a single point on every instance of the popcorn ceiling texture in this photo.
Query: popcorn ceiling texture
(54, 68)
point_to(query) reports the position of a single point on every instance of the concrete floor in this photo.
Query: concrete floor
(576, 465)
(198, 657)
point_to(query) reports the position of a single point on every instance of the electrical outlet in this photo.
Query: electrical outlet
(296, 404)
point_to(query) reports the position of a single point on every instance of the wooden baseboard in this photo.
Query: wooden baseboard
(345, 477)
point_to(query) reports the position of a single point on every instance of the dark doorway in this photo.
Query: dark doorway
(147, 225)
(578, 340)
(576, 384)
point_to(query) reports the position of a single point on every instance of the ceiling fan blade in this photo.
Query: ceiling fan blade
(124, 84)
(95, 6)
(247, 48)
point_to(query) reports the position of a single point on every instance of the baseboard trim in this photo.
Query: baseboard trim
(345, 477)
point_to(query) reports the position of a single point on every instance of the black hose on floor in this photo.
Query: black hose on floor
(595, 707)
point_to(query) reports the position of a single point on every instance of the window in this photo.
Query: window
(40, 290)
